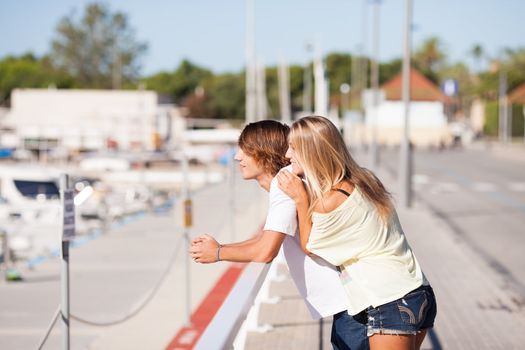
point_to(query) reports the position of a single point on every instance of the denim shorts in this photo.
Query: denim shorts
(349, 332)
(410, 314)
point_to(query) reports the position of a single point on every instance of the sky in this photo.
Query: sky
(212, 33)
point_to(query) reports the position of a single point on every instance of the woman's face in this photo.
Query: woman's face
(248, 166)
(296, 167)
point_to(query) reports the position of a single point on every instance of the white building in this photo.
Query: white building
(428, 122)
(83, 120)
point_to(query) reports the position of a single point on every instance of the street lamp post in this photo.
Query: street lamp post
(345, 90)
(502, 115)
(524, 123)
(363, 60)
(405, 166)
(307, 88)
(251, 73)
(375, 87)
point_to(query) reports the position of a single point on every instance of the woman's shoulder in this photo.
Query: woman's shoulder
(334, 198)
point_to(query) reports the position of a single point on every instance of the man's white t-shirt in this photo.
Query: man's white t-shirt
(317, 281)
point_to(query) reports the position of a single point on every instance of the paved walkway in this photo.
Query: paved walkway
(114, 273)
(477, 307)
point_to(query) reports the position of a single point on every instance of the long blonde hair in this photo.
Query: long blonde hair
(322, 153)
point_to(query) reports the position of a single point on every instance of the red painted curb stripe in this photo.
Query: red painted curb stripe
(187, 336)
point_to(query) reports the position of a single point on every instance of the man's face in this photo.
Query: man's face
(248, 167)
(296, 167)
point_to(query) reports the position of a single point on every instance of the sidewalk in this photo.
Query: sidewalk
(477, 307)
(114, 273)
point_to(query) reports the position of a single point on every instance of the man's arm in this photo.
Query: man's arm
(237, 244)
(262, 248)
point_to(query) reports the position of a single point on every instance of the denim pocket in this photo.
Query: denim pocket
(413, 307)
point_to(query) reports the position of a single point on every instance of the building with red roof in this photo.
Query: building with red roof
(517, 96)
(421, 88)
(427, 122)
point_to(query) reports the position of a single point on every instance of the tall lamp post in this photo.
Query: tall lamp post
(345, 98)
(307, 88)
(251, 73)
(375, 86)
(524, 123)
(405, 166)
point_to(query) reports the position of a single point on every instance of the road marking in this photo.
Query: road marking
(421, 179)
(445, 187)
(517, 186)
(483, 187)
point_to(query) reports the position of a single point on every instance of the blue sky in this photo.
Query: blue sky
(212, 33)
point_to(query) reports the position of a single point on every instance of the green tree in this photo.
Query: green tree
(339, 70)
(514, 64)
(186, 79)
(99, 50)
(429, 57)
(225, 96)
(27, 71)
(161, 82)
(478, 54)
(296, 87)
(179, 84)
(389, 69)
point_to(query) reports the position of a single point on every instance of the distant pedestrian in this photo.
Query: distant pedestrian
(261, 154)
(346, 217)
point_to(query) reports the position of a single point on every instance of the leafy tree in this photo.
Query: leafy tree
(99, 50)
(339, 70)
(179, 85)
(296, 87)
(389, 69)
(429, 58)
(187, 77)
(27, 71)
(161, 82)
(514, 64)
(225, 96)
(478, 54)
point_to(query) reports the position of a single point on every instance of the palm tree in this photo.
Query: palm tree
(478, 53)
(430, 55)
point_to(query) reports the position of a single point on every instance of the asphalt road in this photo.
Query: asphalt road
(480, 195)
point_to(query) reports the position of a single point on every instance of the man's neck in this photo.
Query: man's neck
(264, 181)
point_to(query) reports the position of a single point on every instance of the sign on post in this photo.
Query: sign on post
(450, 87)
(68, 209)
(188, 221)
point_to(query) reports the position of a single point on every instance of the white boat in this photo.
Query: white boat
(31, 208)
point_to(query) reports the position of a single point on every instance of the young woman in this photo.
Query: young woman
(346, 217)
(261, 154)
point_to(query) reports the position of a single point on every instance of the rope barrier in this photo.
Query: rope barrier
(152, 293)
(49, 328)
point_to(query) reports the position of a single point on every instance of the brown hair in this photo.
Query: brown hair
(266, 141)
(322, 153)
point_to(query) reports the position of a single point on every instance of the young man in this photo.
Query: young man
(261, 154)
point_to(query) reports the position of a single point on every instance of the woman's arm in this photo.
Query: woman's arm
(293, 186)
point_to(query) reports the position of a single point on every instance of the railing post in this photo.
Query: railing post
(187, 222)
(67, 232)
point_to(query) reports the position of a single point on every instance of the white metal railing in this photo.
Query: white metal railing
(223, 329)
